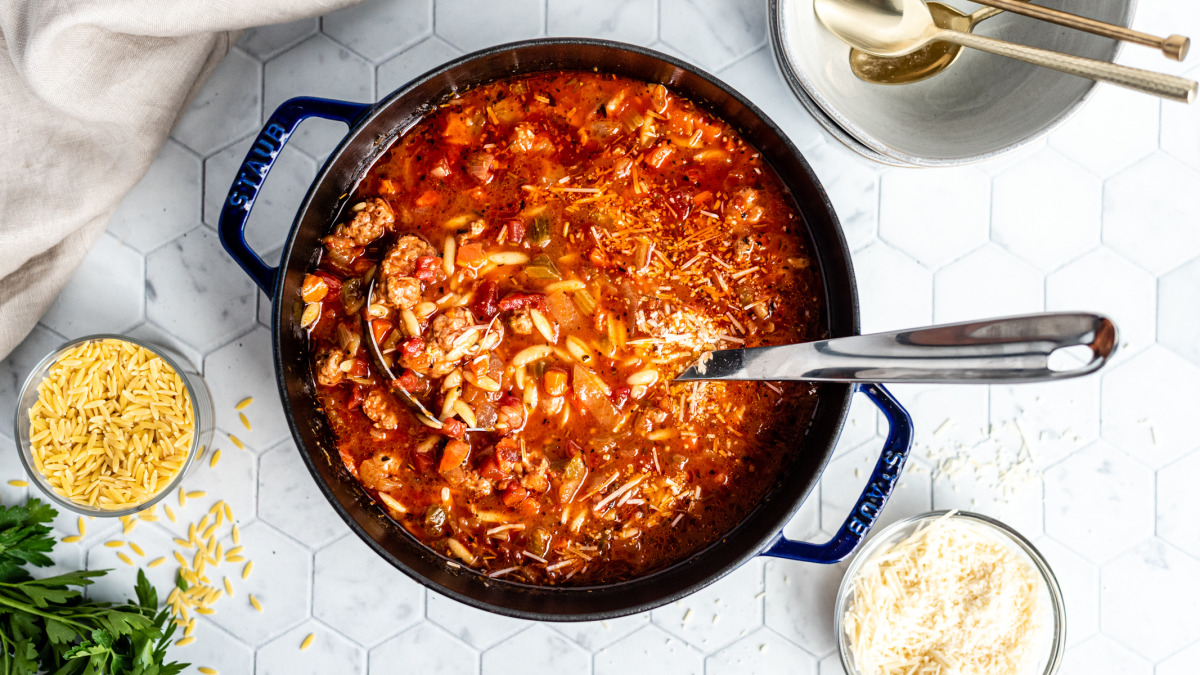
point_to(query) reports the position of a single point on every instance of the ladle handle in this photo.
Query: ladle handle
(1147, 81)
(1173, 46)
(1008, 350)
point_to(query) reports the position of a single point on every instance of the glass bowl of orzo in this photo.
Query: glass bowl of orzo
(107, 425)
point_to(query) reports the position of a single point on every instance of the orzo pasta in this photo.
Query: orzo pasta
(112, 426)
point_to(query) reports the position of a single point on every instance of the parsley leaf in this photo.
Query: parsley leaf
(47, 626)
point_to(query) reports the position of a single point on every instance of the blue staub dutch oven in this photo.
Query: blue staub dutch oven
(372, 129)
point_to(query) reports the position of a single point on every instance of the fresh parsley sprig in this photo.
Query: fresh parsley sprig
(47, 626)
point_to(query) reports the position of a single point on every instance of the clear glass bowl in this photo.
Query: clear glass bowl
(1051, 644)
(202, 411)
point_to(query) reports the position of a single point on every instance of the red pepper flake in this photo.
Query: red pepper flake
(427, 267)
(523, 301)
(412, 348)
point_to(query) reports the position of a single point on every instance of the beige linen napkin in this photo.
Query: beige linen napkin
(89, 90)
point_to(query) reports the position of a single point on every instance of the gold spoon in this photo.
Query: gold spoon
(1173, 46)
(899, 27)
(927, 61)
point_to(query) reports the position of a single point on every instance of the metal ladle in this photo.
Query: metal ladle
(927, 61)
(992, 351)
(899, 27)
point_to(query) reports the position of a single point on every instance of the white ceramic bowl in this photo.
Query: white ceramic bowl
(981, 107)
(202, 410)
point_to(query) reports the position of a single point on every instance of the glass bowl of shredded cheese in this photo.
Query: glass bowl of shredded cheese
(950, 592)
(108, 425)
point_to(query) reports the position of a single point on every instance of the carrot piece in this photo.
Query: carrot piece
(313, 289)
(469, 253)
(380, 330)
(555, 381)
(453, 456)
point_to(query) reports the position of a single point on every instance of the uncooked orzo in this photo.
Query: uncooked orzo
(113, 424)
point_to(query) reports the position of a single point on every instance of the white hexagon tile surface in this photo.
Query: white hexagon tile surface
(1099, 217)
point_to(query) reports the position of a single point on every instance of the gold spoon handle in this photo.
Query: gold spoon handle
(1173, 46)
(1150, 82)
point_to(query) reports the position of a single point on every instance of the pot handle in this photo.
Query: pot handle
(874, 496)
(254, 169)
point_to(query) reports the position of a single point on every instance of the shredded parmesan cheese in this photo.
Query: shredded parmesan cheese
(949, 598)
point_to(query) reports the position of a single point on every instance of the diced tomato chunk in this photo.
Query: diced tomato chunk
(490, 469)
(508, 455)
(598, 257)
(523, 301)
(412, 347)
(408, 381)
(334, 283)
(454, 428)
(681, 203)
(620, 396)
(516, 231)
(427, 267)
(380, 330)
(529, 508)
(356, 396)
(358, 368)
(484, 305)
(453, 455)
(514, 494)
(423, 460)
